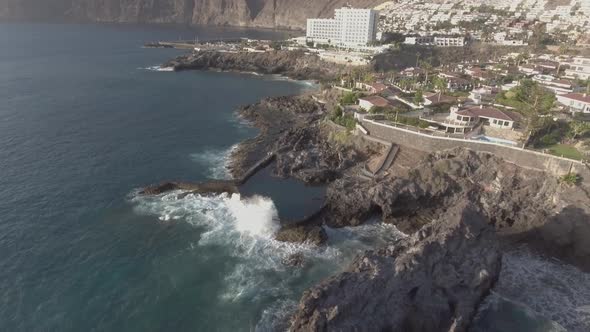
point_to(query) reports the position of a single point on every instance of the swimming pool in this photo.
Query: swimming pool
(494, 140)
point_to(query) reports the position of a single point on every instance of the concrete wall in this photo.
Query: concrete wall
(524, 158)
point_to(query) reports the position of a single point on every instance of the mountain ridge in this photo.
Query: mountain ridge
(288, 14)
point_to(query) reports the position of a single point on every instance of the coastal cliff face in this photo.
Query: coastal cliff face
(430, 281)
(289, 14)
(293, 64)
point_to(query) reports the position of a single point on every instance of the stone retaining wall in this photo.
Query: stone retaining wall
(524, 158)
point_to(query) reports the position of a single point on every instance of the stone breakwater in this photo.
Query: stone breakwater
(293, 64)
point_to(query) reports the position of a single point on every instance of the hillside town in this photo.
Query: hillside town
(452, 80)
(502, 22)
(527, 97)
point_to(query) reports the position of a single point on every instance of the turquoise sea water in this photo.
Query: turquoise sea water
(85, 121)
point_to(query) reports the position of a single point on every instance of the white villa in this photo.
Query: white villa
(464, 119)
(369, 102)
(576, 102)
(579, 68)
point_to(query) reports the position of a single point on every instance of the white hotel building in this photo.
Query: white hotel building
(350, 27)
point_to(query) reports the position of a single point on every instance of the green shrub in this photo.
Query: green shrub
(548, 140)
(350, 98)
(346, 120)
(570, 179)
(410, 121)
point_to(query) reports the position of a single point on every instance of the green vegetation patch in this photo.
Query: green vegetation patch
(410, 121)
(566, 150)
(570, 179)
(350, 98)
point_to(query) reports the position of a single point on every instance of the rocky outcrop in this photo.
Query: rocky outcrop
(294, 260)
(523, 205)
(292, 128)
(431, 281)
(310, 234)
(211, 187)
(248, 13)
(294, 64)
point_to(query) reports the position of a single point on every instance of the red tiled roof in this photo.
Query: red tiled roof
(439, 98)
(378, 86)
(564, 82)
(578, 96)
(376, 100)
(490, 112)
(466, 112)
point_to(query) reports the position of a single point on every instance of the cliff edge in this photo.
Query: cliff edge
(287, 14)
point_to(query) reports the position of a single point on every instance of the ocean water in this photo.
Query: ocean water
(86, 119)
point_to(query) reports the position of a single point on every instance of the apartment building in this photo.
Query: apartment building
(350, 27)
(579, 68)
(440, 41)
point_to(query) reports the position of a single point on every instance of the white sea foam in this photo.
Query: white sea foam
(216, 161)
(556, 291)
(245, 229)
(158, 68)
(275, 318)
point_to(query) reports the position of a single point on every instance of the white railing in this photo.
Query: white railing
(472, 141)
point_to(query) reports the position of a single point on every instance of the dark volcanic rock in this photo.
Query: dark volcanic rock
(295, 260)
(246, 13)
(294, 64)
(212, 187)
(311, 234)
(292, 128)
(525, 206)
(307, 155)
(431, 281)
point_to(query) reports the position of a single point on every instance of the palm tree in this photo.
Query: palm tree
(440, 84)
(579, 128)
(427, 66)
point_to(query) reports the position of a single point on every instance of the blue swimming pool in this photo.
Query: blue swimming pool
(494, 140)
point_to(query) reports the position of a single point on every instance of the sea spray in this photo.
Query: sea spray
(215, 161)
(538, 287)
(158, 68)
(244, 229)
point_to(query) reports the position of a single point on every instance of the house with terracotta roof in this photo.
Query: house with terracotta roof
(369, 102)
(576, 102)
(464, 119)
(489, 116)
(558, 86)
(373, 88)
(529, 69)
(479, 73)
(438, 98)
(482, 95)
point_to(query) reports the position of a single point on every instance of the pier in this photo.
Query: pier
(191, 44)
(258, 166)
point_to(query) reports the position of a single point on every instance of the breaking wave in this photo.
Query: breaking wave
(157, 68)
(216, 161)
(244, 229)
(545, 294)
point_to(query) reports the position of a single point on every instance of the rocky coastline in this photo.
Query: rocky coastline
(460, 209)
(293, 64)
